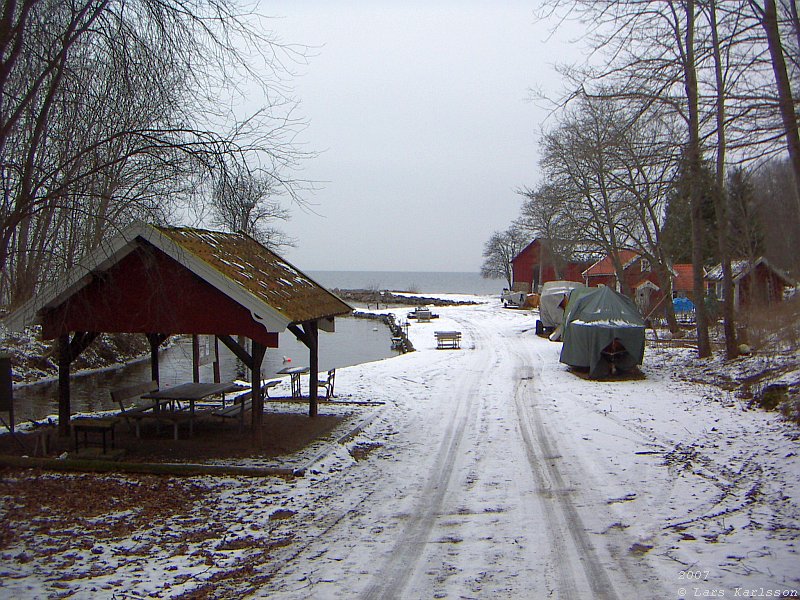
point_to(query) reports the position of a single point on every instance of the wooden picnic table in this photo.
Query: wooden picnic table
(186, 392)
(295, 373)
(448, 339)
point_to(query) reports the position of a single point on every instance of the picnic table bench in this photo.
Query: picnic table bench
(243, 403)
(448, 339)
(164, 406)
(92, 425)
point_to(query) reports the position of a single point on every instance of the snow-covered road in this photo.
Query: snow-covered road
(488, 472)
(502, 475)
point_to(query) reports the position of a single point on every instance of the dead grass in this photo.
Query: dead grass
(772, 327)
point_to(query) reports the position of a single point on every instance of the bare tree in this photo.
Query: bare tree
(577, 158)
(777, 215)
(543, 217)
(769, 20)
(247, 202)
(110, 111)
(498, 251)
(657, 53)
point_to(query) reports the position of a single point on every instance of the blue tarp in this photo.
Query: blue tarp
(683, 305)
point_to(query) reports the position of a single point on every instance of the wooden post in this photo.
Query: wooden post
(312, 332)
(7, 389)
(195, 358)
(64, 409)
(155, 340)
(217, 377)
(257, 355)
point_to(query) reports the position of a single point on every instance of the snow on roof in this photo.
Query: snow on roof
(646, 283)
(740, 268)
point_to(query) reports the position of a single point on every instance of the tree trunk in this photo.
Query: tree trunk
(693, 157)
(721, 196)
(769, 22)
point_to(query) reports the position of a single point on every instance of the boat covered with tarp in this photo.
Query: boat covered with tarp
(603, 331)
(553, 299)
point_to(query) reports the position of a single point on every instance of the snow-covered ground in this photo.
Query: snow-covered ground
(489, 472)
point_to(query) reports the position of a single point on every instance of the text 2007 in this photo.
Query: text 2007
(694, 575)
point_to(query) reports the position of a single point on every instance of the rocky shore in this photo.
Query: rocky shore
(388, 298)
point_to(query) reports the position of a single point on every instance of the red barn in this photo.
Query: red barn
(534, 266)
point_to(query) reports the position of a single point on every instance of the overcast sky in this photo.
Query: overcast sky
(421, 114)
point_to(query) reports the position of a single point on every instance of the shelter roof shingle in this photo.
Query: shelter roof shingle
(261, 272)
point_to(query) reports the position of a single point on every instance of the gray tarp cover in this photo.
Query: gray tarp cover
(553, 292)
(594, 317)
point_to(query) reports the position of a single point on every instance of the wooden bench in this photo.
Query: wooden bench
(150, 410)
(233, 411)
(423, 315)
(327, 384)
(448, 339)
(138, 411)
(92, 425)
(267, 385)
(244, 403)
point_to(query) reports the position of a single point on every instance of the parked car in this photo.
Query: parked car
(512, 299)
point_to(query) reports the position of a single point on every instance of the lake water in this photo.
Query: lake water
(423, 282)
(356, 341)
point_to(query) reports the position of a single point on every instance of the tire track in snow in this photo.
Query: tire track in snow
(400, 570)
(635, 572)
(557, 504)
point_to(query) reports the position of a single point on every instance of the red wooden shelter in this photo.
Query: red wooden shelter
(163, 281)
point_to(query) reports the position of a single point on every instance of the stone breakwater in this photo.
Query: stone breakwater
(386, 298)
(400, 340)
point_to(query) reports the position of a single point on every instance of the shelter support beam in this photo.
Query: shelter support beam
(64, 408)
(309, 335)
(68, 351)
(258, 353)
(237, 350)
(155, 340)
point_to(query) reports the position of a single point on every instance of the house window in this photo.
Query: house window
(720, 291)
(645, 265)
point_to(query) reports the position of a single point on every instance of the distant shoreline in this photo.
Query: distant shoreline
(420, 282)
(396, 297)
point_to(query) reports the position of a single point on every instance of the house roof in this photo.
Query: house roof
(605, 265)
(276, 293)
(526, 249)
(740, 268)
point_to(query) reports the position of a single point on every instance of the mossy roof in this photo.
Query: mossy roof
(261, 272)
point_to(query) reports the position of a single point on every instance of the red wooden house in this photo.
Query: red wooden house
(644, 284)
(683, 281)
(534, 266)
(754, 283)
